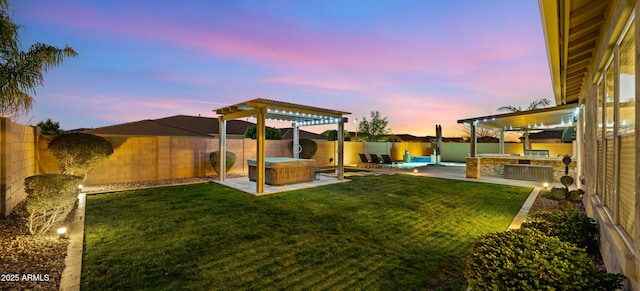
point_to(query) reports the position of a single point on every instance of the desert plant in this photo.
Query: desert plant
(230, 158)
(79, 153)
(308, 147)
(570, 226)
(50, 198)
(527, 259)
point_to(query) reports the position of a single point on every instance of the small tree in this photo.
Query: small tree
(536, 104)
(270, 133)
(332, 135)
(49, 127)
(50, 198)
(79, 153)
(481, 132)
(375, 128)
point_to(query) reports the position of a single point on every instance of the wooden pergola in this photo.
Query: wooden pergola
(263, 109)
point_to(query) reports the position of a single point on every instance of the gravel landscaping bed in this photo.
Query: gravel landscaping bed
(29, 262)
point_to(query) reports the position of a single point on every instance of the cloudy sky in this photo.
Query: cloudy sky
(420, 63)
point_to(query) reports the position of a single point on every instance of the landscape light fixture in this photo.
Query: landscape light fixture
(62, 233)
(415, 171)
(545, 184)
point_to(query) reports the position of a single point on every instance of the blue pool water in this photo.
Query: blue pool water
(421, 159)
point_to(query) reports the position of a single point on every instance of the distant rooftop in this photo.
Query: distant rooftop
(178, 125)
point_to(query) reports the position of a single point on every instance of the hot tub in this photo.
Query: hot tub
(284, 171)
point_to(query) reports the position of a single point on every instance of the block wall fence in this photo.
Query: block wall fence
(18, 160)
(24, 152)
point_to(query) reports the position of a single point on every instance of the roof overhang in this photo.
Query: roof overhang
(572, 30)
(301, 115)
(539, 119)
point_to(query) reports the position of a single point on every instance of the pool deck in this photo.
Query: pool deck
(71, 275)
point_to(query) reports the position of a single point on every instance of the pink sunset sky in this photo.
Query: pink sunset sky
(420, 63)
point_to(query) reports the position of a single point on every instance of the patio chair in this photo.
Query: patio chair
(364, 160)
(375, 160)
(387, 161)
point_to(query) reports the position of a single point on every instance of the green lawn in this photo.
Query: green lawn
(384, 232)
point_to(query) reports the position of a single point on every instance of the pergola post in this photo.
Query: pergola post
(296, 141)
(474, 139)
(260, 151)
(341, 149)
(222, 148)
(502, 141)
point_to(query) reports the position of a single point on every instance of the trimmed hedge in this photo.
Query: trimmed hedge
(50, 198)
(570, 226)
(527, 259)
(230, 160)
(309, 148)
(79, 153)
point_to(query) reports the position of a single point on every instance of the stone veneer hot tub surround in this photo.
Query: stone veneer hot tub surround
(493, 165)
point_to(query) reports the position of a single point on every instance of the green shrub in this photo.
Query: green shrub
(570, 226)
(230, 160)
(49, 127)
(527, 259)
(308, 146)
(50, 198)
(79, 153)
(270, 133)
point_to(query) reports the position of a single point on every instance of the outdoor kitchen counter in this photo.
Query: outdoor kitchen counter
(493, 165)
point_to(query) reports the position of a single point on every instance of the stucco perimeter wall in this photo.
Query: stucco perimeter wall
(18, 157)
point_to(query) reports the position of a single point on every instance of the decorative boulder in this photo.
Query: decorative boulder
(557, 193)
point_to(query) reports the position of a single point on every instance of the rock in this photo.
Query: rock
(557, 193)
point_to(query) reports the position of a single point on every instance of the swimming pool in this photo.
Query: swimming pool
(421, 161)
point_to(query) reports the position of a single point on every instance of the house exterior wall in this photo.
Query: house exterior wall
(18, 157)
(609, 161)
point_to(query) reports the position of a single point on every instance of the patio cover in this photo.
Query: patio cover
(539, 119)
(299, 115)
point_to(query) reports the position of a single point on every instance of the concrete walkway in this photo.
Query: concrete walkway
(73, 262)
(70, 280)
(243, 184)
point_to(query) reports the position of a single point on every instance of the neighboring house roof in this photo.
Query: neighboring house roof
(208, 125)
(287, 133)
(567, 134)
(452, 139)
(488, 139)
(179, 125)
(406, 137)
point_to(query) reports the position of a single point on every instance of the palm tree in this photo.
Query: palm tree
(536, 104)
(22, 71)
